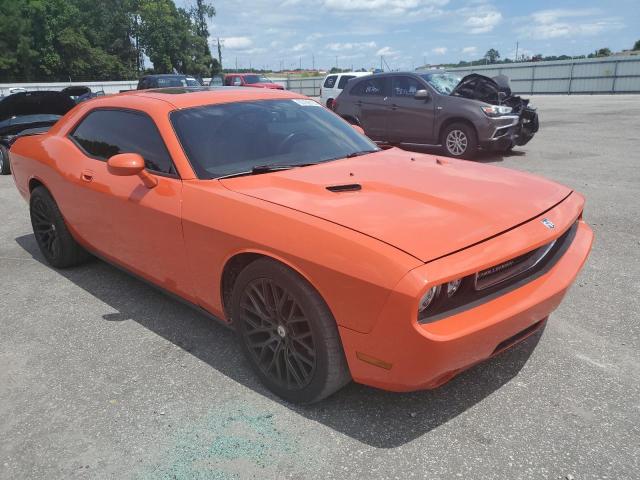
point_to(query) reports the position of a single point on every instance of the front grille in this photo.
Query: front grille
(509, 269)
(499, 279)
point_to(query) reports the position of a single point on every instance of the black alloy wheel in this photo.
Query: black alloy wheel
(278, 334)
(287, 332)
(54, 240)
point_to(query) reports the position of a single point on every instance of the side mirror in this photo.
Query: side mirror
(129, 164)
(358, 129)
(422, 95)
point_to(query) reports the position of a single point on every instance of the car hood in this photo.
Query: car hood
(485, 89)
(35, 103)
(423, 205)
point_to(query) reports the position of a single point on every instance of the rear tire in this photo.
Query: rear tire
(459, 140)
(53, 238)
(287, 333)
(5, 167)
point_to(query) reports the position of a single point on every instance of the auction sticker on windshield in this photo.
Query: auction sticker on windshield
(305, 102)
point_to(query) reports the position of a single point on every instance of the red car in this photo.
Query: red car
(250, 80)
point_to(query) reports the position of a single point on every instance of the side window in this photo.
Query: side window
(330, 81)
(237, 81)
(372, 87)
(406, 86)
(104, 133)
(343, 80)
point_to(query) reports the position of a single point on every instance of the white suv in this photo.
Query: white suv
(333, 85)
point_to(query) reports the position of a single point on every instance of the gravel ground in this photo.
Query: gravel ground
(101, 376)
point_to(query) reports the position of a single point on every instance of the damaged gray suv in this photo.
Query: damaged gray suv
(463, 115)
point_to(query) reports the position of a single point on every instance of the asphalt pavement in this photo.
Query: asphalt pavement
(102, 376)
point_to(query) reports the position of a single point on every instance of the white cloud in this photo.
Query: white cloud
(339, 47)
(483, 23)
(237, 43)
(440, 50)
(469, 50)
(564, 23)
(299, 47)
(387, 52)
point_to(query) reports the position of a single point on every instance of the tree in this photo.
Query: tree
(603, 52)
(636, 46)
(492, 55)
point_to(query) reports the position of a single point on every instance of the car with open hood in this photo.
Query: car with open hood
(28, 113)
(436, 107)
(331, 258)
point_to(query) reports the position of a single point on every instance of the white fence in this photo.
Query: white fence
(584, 76)
(106, 87)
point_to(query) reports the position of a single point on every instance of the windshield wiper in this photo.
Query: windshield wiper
(361, 152)
(274, 167)
(267, 168)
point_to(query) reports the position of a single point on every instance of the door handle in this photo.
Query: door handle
(87, 176)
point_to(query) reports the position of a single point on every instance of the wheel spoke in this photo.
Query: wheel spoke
(277, 333)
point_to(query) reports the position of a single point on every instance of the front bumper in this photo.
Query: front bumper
(510, 131)
(420, 356)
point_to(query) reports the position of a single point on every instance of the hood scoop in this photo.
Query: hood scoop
(349, 187)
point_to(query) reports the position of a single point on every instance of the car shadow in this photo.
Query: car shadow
(482, 156)
(375, 417)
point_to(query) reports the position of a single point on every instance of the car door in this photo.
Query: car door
(138, 227)
(371, 99)
(411, 120)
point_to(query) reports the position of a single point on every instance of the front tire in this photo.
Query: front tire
(459, 140)
(5, 167)
(287, 333)
(53, 238)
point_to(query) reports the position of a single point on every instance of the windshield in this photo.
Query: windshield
(443, 83)
(256, 79)
(232, 138)
(177, 81)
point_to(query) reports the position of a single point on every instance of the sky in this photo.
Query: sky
(409, 33)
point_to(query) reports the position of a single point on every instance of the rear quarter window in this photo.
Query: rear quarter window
(343, 80)
(104, 133)
(330, 81)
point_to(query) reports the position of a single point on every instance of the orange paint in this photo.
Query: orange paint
(371, 253)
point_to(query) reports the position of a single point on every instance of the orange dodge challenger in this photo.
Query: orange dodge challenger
(332, 259)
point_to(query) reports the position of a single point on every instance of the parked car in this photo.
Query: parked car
(333, 84)
(439, 108)
(81, 93)
(167, 80)
(216, 81)
(28, 112)
(332, 259)
(250, 80)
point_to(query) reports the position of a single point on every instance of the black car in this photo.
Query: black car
(437, 107)
(167, 80)
(28, 113)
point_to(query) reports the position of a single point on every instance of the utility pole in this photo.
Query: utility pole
(336, 61)
(300, 63)
(236, 64)
(219, 54)
(517, 45)
(313, 62)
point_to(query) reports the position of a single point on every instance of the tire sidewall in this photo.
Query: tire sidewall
(311, 307)
(5, 168)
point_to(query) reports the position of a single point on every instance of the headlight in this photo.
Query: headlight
(427, 298)
(496, 110)
(453, 286)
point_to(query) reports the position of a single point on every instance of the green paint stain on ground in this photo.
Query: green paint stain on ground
(228, 444)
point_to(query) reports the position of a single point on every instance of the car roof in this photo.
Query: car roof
(185, 97)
